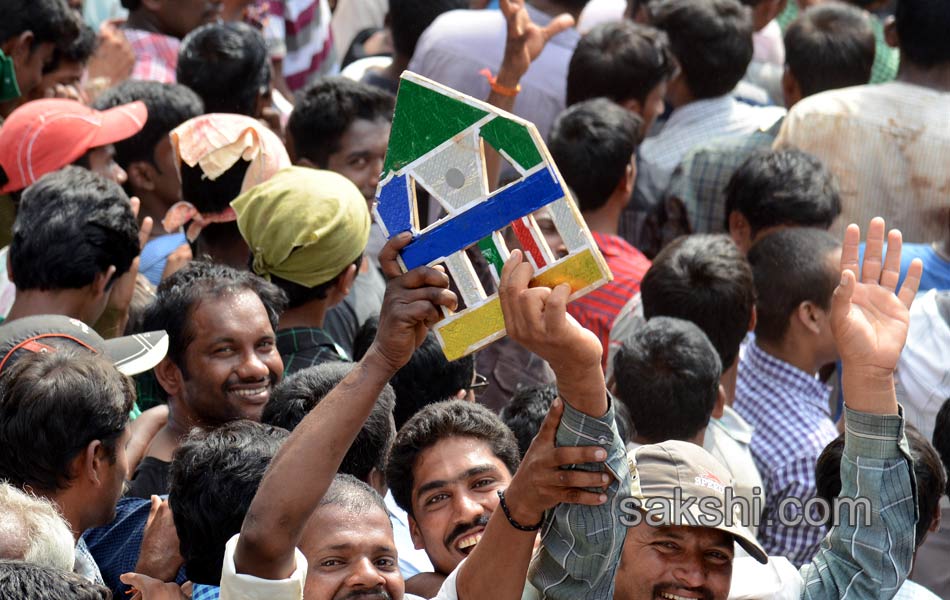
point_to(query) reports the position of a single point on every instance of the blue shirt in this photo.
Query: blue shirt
(200, 591)
(155, 255)
(115, 546)
(936, 270)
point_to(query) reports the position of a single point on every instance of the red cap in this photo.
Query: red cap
(45, 135)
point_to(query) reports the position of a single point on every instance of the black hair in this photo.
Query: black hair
(211, 196)
(711, 40)
(620, 61)
(169, 105)
(300, 392)
(667, 374)
(705, 279)
(51, 21)
(791, 266)
(427, 378)
(176, 299)
(20, 579)
(922, 27)
(941, 437)
(213, 477)
(525, 412)
(227, 65)
(928, 472)
(783, 187)
(326, 108)
(71, 225)
(79, 51)
(830, 46)
(356, 497)
(592, 144)
(437, 422)
(52, 405)
(298, 294)
(409, 18)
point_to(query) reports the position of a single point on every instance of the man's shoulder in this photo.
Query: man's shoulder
(458, 28)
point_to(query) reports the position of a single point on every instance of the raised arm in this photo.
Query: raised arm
(868, 554)
(302, 471)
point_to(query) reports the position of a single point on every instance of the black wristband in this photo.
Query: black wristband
(516, 524)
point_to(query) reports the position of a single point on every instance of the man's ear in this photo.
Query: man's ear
(890, 32)
(19, 47)
(101, 282)
(753, 319)
(720, 405)
(633, 105)
(791, 90)
(152, 5)
(629, 179)
(303, 161)
(377, 481)
(9, 269)
(807, 315)
(416, 534)
(345, 281)
(92, 462)
(169, 377)
(739, 230)
(142, 176)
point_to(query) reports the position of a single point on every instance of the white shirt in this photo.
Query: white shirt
(728, 439)
(460, 43)
(688, 126)
(923, 372)
(888, 145)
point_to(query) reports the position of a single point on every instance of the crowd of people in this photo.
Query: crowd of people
(218, 381)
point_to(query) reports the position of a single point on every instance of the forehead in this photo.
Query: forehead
(454, 458)
(334, 526)
(699, 537)
(363, 134)
(238, 311)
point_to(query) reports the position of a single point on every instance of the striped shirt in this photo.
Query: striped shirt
(304, 28)
(597, 310)
(789, 413)
(156, 55)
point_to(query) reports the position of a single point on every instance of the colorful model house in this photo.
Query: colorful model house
(437, 142)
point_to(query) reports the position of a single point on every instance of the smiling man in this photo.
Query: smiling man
(222, 360)
(445, 468)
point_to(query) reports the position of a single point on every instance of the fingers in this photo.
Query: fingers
(582, 479)
(849, 250)
(421, 277)
(555, 310)
(546, 434)
(557, 25)
(136, 204)
(579, 496)
(578, 455)
(873, 251)
(841, 299)
(389, 255)
(892, 262)
(908, 291)
(145, 231)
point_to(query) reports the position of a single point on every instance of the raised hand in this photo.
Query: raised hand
(526, 39)
(540, 483)
(537, 319)
(869, 316)
(410, 306)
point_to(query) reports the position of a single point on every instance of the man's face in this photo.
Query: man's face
(101, 161)
(232, 363)
(361, 154)
(673, 563)
(113, 479)
(30, 65)
(178, 17)
(351, 556)
(454, 493)
(68, 73)
(653, 106)
(167, 185)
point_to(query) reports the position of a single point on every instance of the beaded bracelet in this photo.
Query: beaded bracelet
(516, 524)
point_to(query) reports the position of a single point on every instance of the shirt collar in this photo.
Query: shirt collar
(701, 109)
(797, 382)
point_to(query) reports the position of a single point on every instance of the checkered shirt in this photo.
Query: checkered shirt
(201, 591)
(788, 410)
(156, 55)
(302, 347)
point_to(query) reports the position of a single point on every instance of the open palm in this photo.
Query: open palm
(869, 316)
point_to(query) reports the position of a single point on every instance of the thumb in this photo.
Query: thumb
(841, 299)
(557, 25)
(548, 430)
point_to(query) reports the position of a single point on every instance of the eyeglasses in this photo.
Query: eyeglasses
(478, 382)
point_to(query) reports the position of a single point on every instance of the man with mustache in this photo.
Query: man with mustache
(222, 359)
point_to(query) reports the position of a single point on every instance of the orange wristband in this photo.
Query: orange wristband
(498, 88)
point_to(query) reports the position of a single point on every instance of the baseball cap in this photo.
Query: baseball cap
(658, 470)
(45, 135)
(303, 225)
(131, 354)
